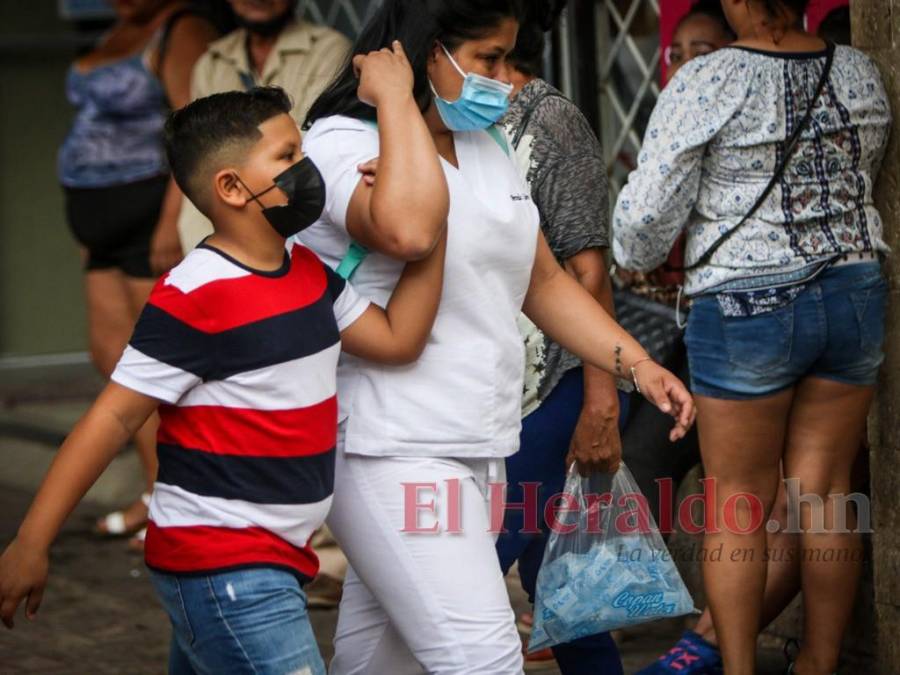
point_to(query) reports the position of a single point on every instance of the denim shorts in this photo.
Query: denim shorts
(245, 621)
(834, 329)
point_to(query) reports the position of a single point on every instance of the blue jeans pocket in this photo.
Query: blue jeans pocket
(870, 305)
(762, 343)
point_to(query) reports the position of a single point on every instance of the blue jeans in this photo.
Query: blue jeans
(546, 435)
(834, 329)
(246, 621)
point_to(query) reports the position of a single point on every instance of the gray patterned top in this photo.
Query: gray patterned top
(561, 159)
(713, 144)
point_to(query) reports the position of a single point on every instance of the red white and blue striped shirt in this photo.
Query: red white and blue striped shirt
(245, 364)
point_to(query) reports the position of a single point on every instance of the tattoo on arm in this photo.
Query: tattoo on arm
(620, 370)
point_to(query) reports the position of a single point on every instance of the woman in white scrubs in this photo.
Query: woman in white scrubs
(424, 590)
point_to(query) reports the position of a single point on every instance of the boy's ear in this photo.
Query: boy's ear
(229, 188)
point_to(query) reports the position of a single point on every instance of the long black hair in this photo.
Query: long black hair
(417, 24)
(540, 17)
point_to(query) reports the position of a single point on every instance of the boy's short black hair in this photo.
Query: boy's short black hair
(216, 131)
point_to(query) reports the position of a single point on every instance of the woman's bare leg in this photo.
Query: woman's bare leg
(782, 573)
(827, 421)
(742, 443)
(110, 317)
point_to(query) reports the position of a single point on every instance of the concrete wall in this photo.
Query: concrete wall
(876, 30)
(41, 305)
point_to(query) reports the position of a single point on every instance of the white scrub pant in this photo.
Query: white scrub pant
(414, 603)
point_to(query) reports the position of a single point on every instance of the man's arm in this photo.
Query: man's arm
(572, 191)
(398, 334)
(596, 444)
(114, 418)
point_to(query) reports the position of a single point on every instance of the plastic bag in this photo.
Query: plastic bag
(606, 565)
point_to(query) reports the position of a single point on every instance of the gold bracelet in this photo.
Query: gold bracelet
(634, 379)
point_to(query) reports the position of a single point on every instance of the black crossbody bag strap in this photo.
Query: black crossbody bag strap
(789, 149)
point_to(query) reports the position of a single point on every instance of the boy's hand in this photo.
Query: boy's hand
(669, 394)
(23, 575)
(369, 170)
(383, 75)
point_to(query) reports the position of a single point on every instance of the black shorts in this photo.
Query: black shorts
(116, 224)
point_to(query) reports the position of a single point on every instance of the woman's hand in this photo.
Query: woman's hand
(165, 248)
(23, 576)
(667, 393)
(383, 75)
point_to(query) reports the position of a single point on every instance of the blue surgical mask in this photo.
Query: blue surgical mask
(483, 101)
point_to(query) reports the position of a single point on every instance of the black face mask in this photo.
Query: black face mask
(305, 190)
(268, 28)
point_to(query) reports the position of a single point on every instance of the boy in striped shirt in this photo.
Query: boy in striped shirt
(237, 348)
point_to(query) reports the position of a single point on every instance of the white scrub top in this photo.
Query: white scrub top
(462, 398)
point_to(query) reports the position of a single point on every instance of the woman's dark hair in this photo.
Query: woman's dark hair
(713, 10)
(540, 17)
(777, 8)
(835, 27)
(417, 24)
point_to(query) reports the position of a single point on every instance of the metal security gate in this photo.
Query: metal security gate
(609, 60)
(348, 16)
(628, 66)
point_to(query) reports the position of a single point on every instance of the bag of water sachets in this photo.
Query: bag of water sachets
(606, 565)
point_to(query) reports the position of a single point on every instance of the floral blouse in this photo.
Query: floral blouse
(715, 140)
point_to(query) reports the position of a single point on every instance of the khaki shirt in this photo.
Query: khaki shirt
(303, 62)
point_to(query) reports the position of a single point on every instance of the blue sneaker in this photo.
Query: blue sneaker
(691, 655)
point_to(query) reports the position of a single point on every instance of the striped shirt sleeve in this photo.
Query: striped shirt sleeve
(348, 304)
(168, 353)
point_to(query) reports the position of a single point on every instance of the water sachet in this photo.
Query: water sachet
(605, 566)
